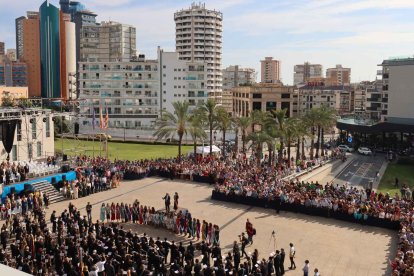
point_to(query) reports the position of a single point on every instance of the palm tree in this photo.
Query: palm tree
(258, 139)
(290, 133)
(224, 122)
(243, 123)
(209, 110)
(257, 117)
(329, 120)
(278, 119)
(196, 129)
(176, 123)
(311, 119)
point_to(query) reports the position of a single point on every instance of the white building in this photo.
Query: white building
(34, 136)
(131, 92)
(182, 80)
(235, 75)
(199, 38)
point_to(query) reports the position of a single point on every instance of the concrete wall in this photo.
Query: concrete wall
(401, 93)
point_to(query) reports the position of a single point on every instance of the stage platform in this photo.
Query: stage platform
(20, 186)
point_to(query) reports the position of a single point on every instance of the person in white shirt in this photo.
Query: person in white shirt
(291, 256)
(316, 272)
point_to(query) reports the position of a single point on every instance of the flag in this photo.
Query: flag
(93, 118)
(101, 121)
(106, 118)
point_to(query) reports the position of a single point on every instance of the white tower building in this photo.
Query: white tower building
(199, 38)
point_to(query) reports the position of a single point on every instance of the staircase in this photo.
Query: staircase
(45, 187)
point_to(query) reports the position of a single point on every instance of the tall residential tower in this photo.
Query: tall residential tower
(199, 38)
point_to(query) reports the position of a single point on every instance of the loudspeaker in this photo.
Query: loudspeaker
(65, 157)
(53, 180)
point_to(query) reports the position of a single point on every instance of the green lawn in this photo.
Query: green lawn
(405, 174)
(119, 150)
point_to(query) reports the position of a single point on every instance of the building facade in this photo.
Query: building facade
(31, 52)
(264, 97)
(19, 36)
(337, 97)
(303, 72)
(108, 42)
(12, 73)
(34, 137)
(270, 70)
(199, 39)
(339, 75)
(2, 49)
(235, 75)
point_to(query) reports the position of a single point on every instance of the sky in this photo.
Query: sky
(355, 33)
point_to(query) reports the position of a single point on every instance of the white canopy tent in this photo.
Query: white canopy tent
(206, 149)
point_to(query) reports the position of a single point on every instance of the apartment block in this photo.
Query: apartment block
(339, 75)
(235, 75)
(270, 70)
(303, 72)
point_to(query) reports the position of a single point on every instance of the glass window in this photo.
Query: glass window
(39, 149)
(47, 126)
(30, 150)
(34, 134)
(19, 131)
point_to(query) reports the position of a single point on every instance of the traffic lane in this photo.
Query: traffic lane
(361, 170)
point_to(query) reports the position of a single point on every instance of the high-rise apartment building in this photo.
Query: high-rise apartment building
(270, 70)
(31, 52)
(339, 75)
(199, 38)
(19, 36)
(2, 49)
(82, 19)
(234, 76)
(108, 42)
(303, 72)
(71, 7)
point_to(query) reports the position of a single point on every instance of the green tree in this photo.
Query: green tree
(276, 120)
(8, 101)
(312, 119)
(224, 122)
(328, 120)
(176, 123)
(258, 139)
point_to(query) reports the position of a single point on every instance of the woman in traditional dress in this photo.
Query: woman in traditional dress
(113, 212)
(118, 212)
(108, 212)
(103, 212)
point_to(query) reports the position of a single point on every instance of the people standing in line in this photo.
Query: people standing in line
(250, 231)
(89, 212)
(306, 268)
(167, 201)
(292, 253)
(176, 201)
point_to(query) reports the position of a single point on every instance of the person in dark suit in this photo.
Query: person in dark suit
(282, 261)
(167, 201)
(277, 262)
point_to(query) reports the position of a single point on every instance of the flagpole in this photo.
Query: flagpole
(106, 131)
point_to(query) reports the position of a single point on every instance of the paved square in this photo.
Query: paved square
(334, 247)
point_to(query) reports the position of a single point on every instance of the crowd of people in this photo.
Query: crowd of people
(12, 170)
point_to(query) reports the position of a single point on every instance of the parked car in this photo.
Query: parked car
(364, 151)
(345, 148)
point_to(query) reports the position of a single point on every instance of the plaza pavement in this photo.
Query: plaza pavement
(334, 247)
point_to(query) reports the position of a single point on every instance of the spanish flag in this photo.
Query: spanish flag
(101, 121)
(106, 118)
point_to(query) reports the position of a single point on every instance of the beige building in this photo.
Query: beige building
(304, 72)
(264, 97)
(234, 76)
(227, 101)
(336, 97)
(34, 137)
(339, 75)
(13, 92)
(270, 70)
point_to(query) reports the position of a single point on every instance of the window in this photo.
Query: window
(285, 95)
(164, 66)
(39, 149)
(257, 96)
(47, 126)
(14, 153)
(34, 134)
(257, 106)
(270, 106)
(30, 150)
(19, 131)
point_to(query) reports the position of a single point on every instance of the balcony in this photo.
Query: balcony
(385, 100)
